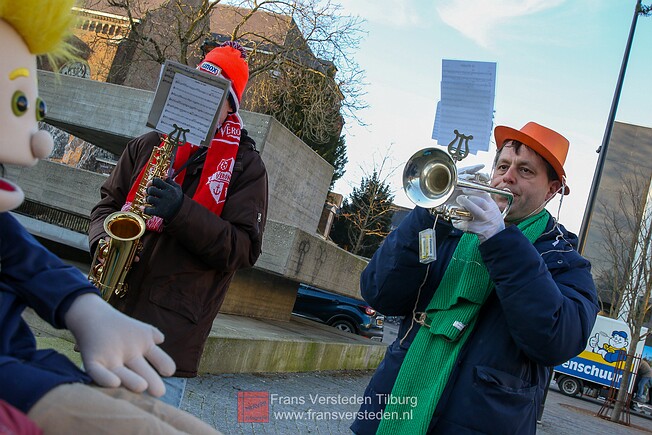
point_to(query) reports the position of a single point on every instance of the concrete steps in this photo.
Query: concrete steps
(239, 344)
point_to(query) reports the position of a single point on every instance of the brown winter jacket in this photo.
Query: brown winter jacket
(184, 272)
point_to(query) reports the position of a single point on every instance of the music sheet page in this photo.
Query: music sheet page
(467, 103)
(191, 104)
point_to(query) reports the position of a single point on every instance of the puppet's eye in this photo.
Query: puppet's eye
(41, 109)
(19, 103)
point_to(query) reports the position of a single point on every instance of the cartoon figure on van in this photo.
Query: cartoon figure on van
(611, 350)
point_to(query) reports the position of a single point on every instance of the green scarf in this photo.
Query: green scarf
(451, 314)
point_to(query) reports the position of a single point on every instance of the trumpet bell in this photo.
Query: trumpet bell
(430, 181)
(429, 178)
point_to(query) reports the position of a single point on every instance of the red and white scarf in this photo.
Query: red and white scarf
(215, 176)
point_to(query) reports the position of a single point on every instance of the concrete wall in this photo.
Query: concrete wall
(258, 293)
(628, 154)
(299, 178)
(59, 186)
(103, 114)
(305, 257)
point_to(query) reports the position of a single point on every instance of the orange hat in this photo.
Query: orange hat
(229, 61)
(549, 144)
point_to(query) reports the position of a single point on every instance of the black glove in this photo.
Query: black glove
(165, 198)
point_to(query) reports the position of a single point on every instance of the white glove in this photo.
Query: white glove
(593, 342)
(487, 219)
(117, 349)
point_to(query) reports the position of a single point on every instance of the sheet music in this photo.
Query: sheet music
(467, 103)
(436, 127)
(189, 98)
(192, 105)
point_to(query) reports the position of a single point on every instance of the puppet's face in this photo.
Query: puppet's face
(21, 142)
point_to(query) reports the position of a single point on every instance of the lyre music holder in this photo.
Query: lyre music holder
(180, 137)
(458, 149)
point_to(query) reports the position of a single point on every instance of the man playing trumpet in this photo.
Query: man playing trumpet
(505, 299)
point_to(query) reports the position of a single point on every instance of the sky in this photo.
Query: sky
(558, 63)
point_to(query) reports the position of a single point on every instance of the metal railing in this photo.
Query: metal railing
(56, 216)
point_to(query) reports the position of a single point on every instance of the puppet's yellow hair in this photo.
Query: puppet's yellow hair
(44, 25)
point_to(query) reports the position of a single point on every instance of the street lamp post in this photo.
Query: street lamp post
(602, 151)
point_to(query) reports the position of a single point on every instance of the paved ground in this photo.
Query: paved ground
(295, 408)
(324, 403)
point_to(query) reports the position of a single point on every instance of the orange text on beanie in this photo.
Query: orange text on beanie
(229, 61)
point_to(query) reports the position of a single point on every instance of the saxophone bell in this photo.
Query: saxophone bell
(113, 258)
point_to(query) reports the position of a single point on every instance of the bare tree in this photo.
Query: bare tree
(627, 235)
(302, 68)
(308, 36)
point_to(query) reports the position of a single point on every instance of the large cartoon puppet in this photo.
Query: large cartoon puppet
(115, 349)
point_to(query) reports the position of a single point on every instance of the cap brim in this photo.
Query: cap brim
(503, 134)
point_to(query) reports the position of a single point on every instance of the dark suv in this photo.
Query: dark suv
(343, 312)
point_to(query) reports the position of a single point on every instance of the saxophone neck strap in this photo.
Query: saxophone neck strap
(198, 156)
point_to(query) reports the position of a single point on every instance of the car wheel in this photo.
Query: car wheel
(344, 325)
(569, 386)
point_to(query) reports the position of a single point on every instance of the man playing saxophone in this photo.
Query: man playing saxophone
(207, 222)
(505, 299)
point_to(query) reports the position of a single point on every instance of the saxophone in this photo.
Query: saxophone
(113, 258)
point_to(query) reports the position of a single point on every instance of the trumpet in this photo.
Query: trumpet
(430, 181)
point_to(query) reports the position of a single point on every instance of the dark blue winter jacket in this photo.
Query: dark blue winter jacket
(540, 314)
(30, 276)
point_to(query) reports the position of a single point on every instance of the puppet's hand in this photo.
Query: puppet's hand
(117, 349)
